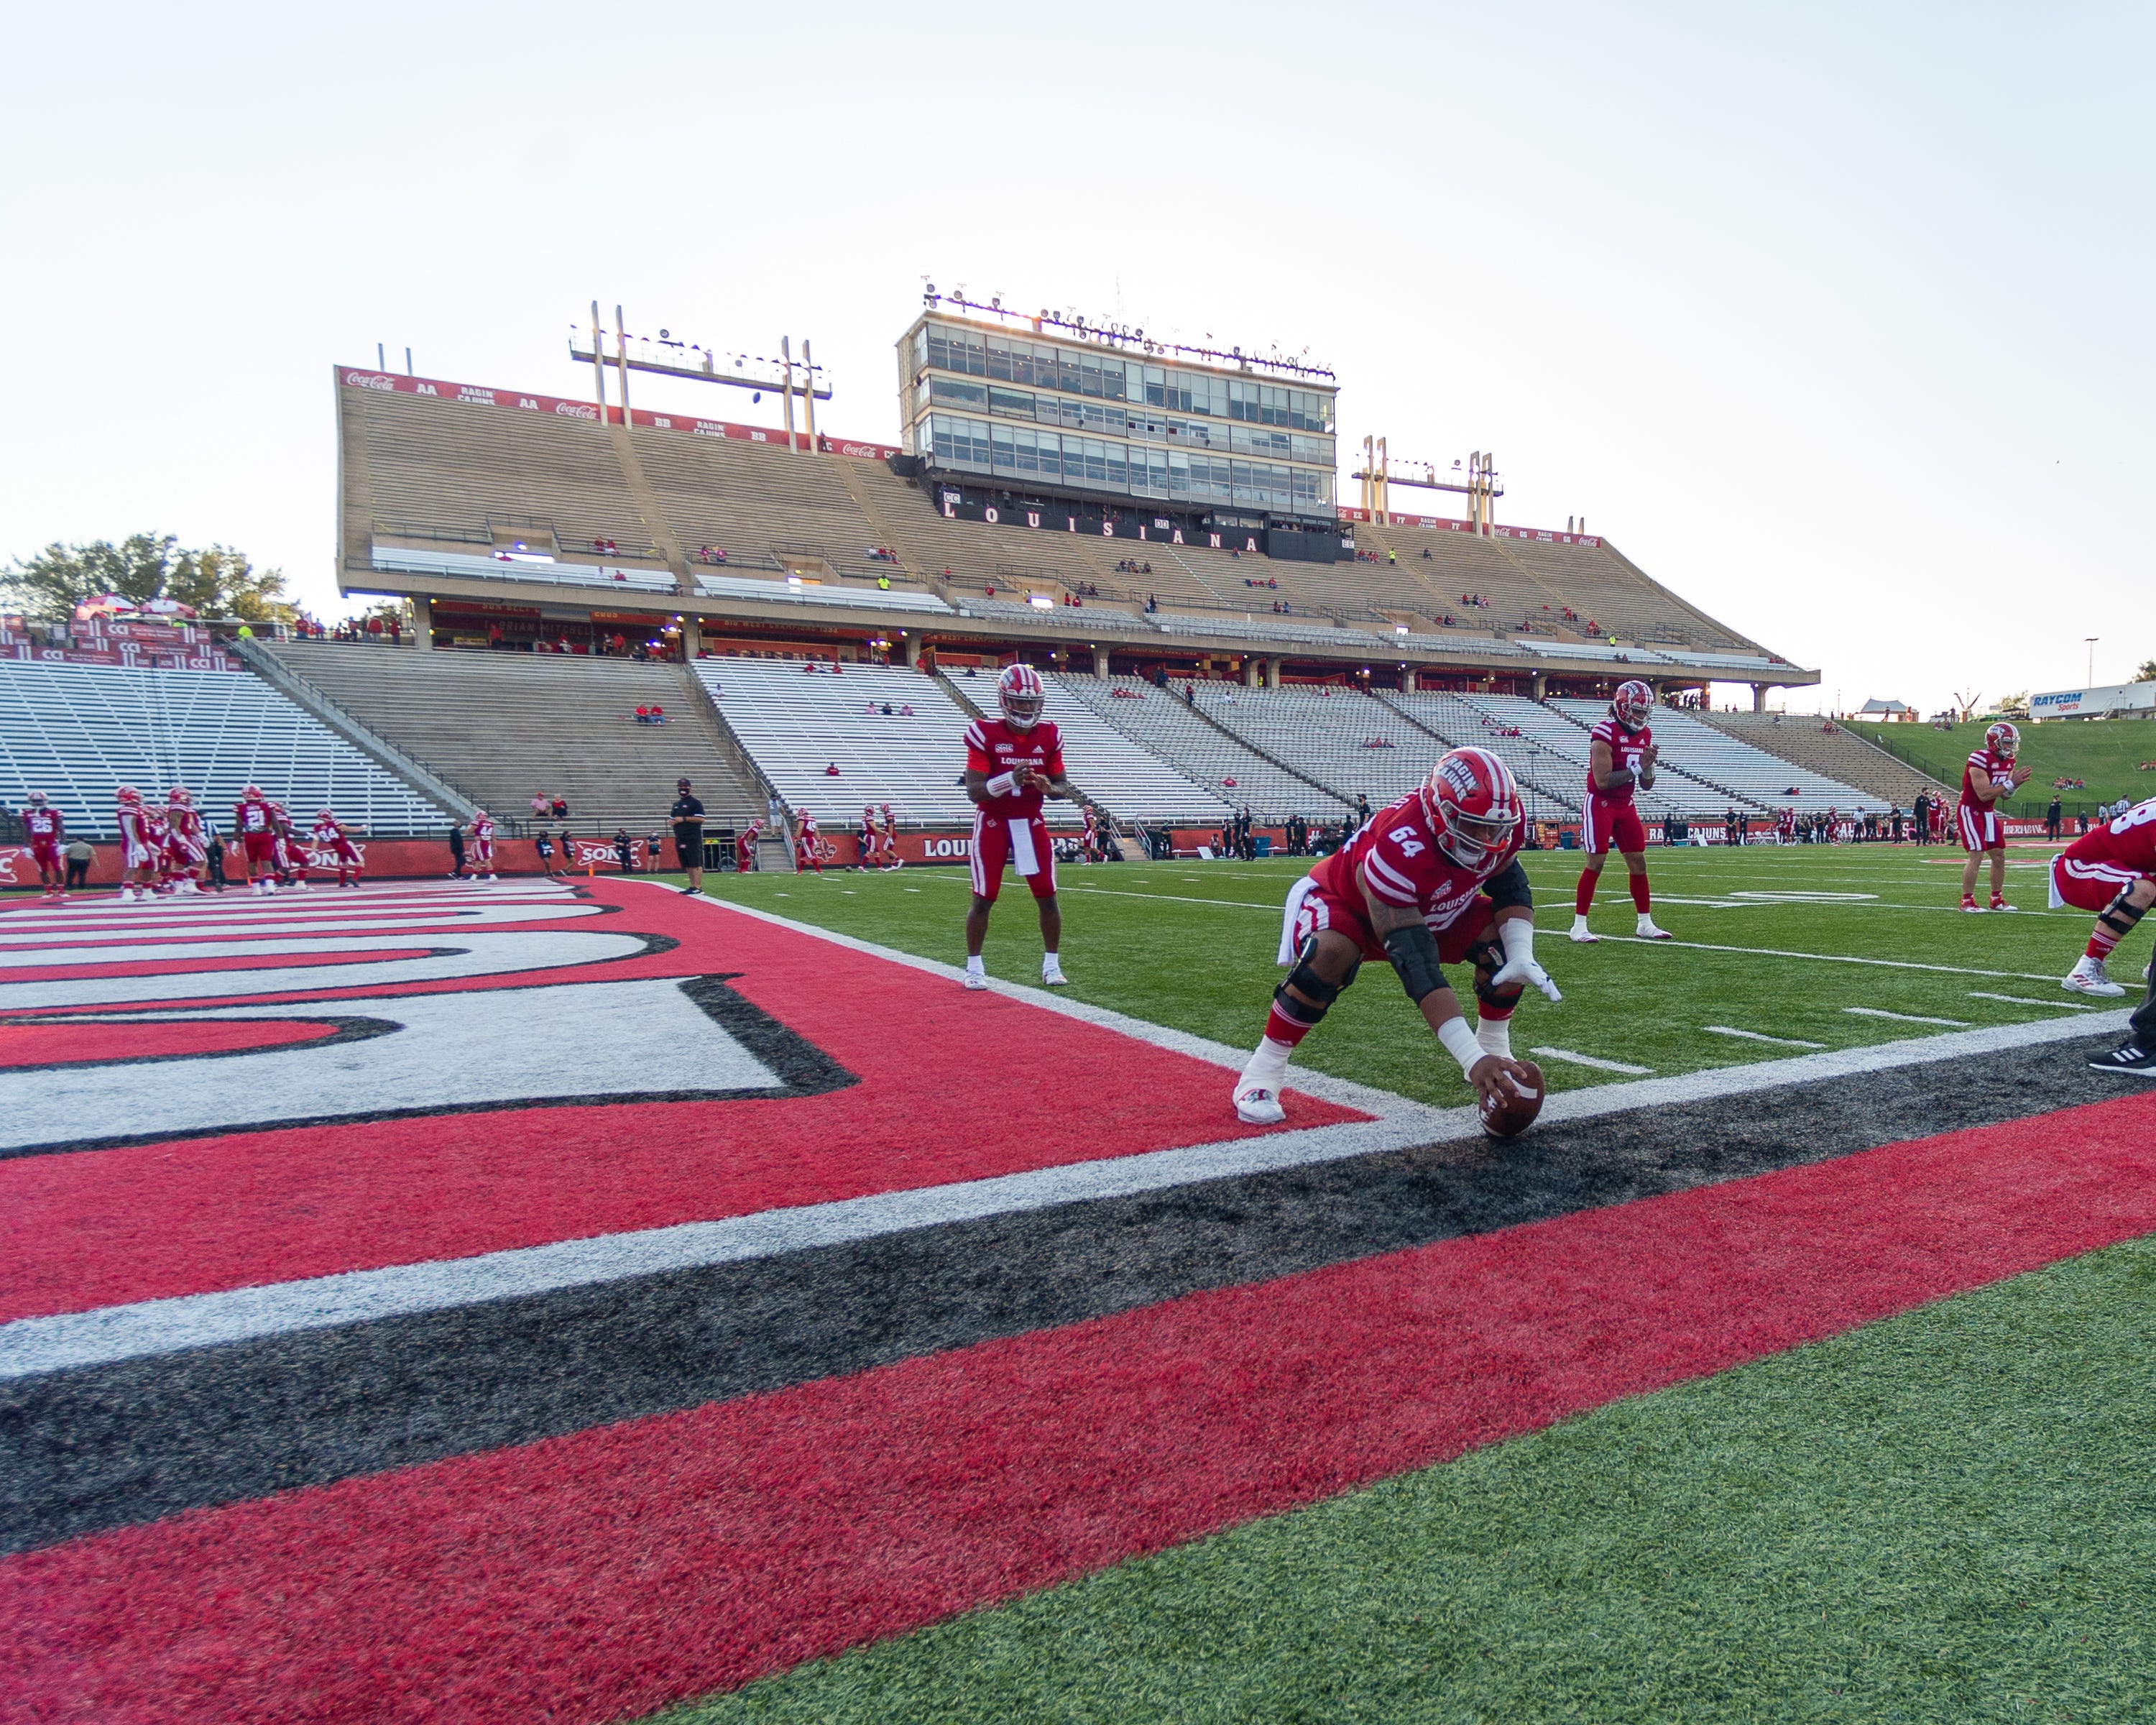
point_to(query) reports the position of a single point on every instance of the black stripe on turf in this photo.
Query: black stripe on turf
(107, 1446)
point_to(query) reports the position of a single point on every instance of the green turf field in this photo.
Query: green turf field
(1805, 944)
(2106, 752)
(1945, 1516)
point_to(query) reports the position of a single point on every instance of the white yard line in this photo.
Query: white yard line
(2019, 1000)
(2018, 976)
(1906, 1018)
(1594, 1061)
(1760, 1036)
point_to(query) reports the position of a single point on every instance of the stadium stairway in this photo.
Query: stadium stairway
(501, 726)
(1668, 731)
(1835, 752)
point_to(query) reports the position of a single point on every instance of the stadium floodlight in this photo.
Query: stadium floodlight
(668, 356)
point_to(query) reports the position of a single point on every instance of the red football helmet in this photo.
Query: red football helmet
(1021, 693)
(254, 791)
(37, 799)
(179, 793)
(1473, 806)
(1631, 704)
(325, 815)
(128, 794)
(2003, 740)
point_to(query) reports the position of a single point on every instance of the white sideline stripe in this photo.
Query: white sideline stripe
(34, 1345)
(2016, 976)
(2018, 1000)
(1761, 1036)
(1594, 1061)
(1905, 1017)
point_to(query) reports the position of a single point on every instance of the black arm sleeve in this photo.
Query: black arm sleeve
(1413, 949)
(1511, 888)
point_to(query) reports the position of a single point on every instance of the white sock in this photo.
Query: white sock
(1579, 919)
(1268, 1065)
(1495, 1036)
(1047, 959)
(973, 964)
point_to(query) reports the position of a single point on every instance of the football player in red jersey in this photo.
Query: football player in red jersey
(891, 859)
(187, 855)
(1620, 758)
(1435, 879)
(1987, 781)
(482, 832)
(333, 838)
(2110, 871)
(258, 839)
(1011, 763)
(139, 850)
(45, 832)
(745, 847)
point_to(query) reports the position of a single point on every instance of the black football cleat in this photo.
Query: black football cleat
(2132, 1059)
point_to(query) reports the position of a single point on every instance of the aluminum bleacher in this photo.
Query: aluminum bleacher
(78, 732)
(1160, 720)
(796, 722)
(1730, 767)
(1339, 736)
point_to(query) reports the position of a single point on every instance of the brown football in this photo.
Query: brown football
(1510, 1116)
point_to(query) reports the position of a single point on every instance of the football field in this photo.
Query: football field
(573, 1300)
(1777, 951)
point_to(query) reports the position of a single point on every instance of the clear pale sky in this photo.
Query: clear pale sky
(1836, 318)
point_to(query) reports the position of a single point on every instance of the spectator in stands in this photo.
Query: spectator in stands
(658, 714)
(494, 639)
(831, 771)
(643, 716)
(539, 806)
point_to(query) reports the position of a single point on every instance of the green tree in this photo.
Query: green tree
(217, 582)
(2147, 674)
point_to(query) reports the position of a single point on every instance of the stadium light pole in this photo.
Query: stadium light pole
(2092, 640)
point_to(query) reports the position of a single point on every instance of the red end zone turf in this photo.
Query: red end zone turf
(958, 1096)
(598, 1576)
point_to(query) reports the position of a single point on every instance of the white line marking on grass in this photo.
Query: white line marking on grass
(1906, 1018)
(2017, 976)
(34, 1345)
(1594, 1061)
(2019, 1000)
(1761, 1036)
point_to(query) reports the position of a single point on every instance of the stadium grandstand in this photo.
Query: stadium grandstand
(78, 732)
(1158, 529)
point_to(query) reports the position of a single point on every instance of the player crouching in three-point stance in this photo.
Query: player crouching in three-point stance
(1987, 781)
(1433, 880)
(1620, 758)
(2111, 870)
(1011, 763)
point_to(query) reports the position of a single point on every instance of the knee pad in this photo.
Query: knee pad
(2120, 916)
(1489, 958)
(1315, 995)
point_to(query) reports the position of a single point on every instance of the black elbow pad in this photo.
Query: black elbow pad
(1511, 888)
(1413, 949)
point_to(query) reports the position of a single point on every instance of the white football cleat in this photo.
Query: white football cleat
(1052, 976)
(1257, 1103)
(2089, 976)
(126, 896)
(1582, 933)
(1648, 931)
(977, 980)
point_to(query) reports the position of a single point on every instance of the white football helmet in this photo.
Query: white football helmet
(1021, 695)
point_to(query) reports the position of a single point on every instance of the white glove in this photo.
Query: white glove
(1518, 936)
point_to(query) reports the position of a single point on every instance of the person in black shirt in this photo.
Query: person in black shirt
(456, 851)
(687, 815)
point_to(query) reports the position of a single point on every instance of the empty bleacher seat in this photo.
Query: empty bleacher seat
(78, 732)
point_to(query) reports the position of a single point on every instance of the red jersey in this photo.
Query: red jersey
(1983, 761)
(483, 834)
(1397, 852)
(42, 826)
(1625, 749)
(994, 747)
(251, 814)
(2128, 841)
